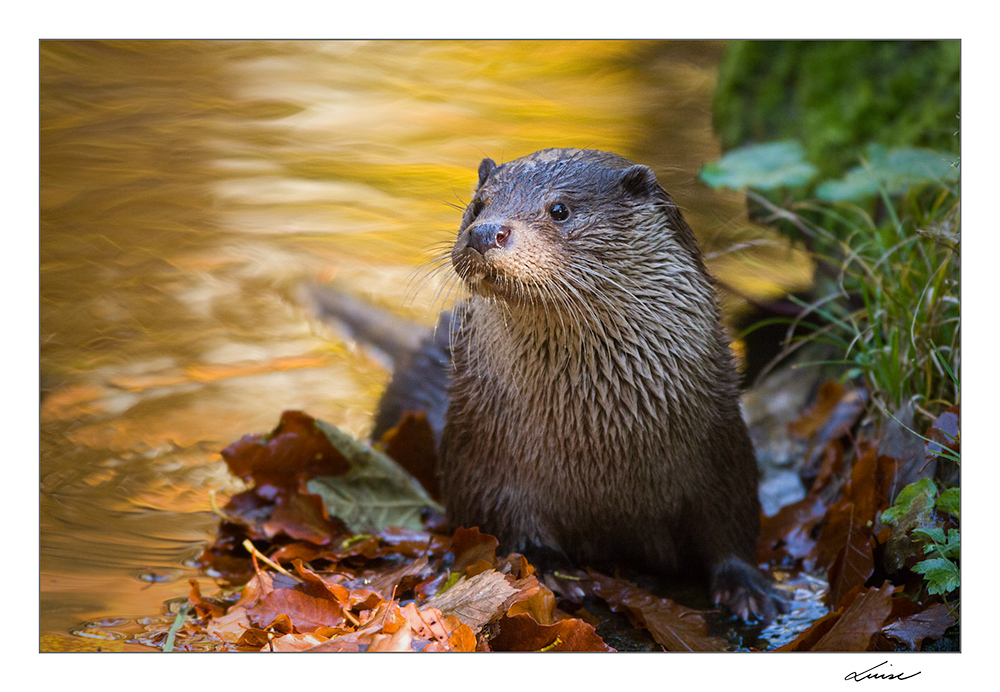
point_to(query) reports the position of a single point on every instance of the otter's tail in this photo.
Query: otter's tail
(420, 357)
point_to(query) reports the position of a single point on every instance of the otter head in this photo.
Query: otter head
(559, 223)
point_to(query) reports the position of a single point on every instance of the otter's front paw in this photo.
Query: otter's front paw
(742, 589)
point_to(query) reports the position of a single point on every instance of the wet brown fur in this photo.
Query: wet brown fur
(593, 405)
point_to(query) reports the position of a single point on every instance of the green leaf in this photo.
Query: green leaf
(950, 501)
(952, 549)
(923, 489)
(893, 172)
(934, 534)
(375, 493)
(942, 576)
(168, 645)
(760, 166)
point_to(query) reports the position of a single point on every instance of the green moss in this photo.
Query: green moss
(838, 96)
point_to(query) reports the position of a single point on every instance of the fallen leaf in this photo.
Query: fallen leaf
(296, 448)
(533, 598)
(471, 546)
(808, 639)
(522, 633)
(844, 549)
(430, 623)
(829, 468)
(387, 582)
(411, 444)
(305, 611)
(833, 413)
(788, 534)
(899, 443)
(294, 642)
(911, 631)
(814, 417)
(303, 517)
(334, 590)
(201, 604)
(475, 600)
(399, 640)
(386, 612)
(374, 492)
(673, 626)
(865, 616)
(254, 638)
(462, 639)
(345, 644)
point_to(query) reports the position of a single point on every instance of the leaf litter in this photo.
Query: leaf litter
(337, 546)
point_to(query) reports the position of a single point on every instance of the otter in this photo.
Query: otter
(592, 406)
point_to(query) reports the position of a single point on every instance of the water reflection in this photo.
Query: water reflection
(189, 188)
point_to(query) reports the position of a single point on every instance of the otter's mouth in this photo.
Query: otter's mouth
(473, 269)
(482, 282)
(495, 276)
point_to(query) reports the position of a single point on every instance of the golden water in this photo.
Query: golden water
(189, 188)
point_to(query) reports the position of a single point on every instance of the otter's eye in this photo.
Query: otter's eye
(477, 208)
(559, 211)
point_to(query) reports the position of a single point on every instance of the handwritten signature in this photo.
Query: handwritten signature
(869, 675)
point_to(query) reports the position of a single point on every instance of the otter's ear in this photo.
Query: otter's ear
(638, 180)
(485, 168)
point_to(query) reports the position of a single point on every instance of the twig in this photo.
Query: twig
(215, 507)
(266, 560)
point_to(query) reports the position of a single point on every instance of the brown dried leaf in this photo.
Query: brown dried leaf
(470, 546)
(475, 600)
(829, 468)
(231, 626)
(345, 644)
(899, 443)
(281, 625)
(533, 598)
(814, 417)
(516, 565)
(913, 629)
(462, 639)
(303, 517)
(307, 612)
(294, 642)
(522, 633)
(295, 449)
(303, 551)
(673, 626)
(398, 540)
(400, 640)
(831, 416)
(411, 444)
(857, 626)
(254, 638)
(871, 480)
(430, 623)
(201, 604)
(334, 590)
(808, 639)
(844, 548)
(386, 618)
(788, 533)
(386, 583)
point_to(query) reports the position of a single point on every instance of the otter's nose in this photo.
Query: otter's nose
(488, 235)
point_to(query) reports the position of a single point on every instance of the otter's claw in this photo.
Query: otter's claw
(745, 591)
